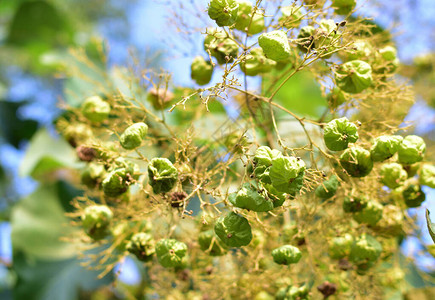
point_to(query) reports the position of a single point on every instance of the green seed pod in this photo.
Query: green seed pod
(411, 150)
(220, 46)
(388, 53)
(264, 156)
(385, 147)
(77, 134)
(427, 176)
(133, 136)
(339, 133)
(391, 222)
(306, 38)
(95, 109)
(356, 161)
(354, 204)
(393, 175)
(92, 175)
(233, 230)
(162, 175)
(283, 174)
(360, 50)
(256, 63)
(339, 247)
(325, 37)
(336, 97)
(365, 249)
(123, 231)
(223, 12)
(275, 45)
(328, 188)
(249, 198)
(291, 16)
(413, 195)
(201, 70)
(170, 253)
(245, 18)
(142, 246)
(276, 197)
(371, 214)
(96, 220)
(343, 7)
(116, 183)
(286, 255)
(263, 296)
(354, 76)
(209, 243)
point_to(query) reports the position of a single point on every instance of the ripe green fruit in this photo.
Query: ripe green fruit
(256, 63)
(133, 136)
(291, 16)
(95, 109)
(233, 230)
(354, 76)
(223, 12)
(391, 222)
(201, 70)
(306, 38)
(249, 198)
(328, 188)
(371, 214)
(336, 97)
(365, 249)
(245, 18)
(360, 50)
(286, 174)
(340, 246)
(339, 133)
(356, 161)
(162, 175)
(264, 156)
(96, 220)
(116, 183)
(325, 37)
(354, 204)
(385, 147)
(411, 149)
(427, 176)
(220, 46)
(92, 175)
(389, 53)
(343, 7)
(413, 195)
(286, 255)
(275, 45)
(170, 253)
(393, 175)
(209, 243)
(142, 246)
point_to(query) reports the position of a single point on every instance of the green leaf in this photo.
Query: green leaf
(430, 226)
(54, 280)
(13, 129)
(39, 22)
(38, 222)
(46, 154)
(301, 94)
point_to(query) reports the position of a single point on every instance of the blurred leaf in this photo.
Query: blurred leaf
(430, 226)
(39, 22)
(427, 293)
(54, 280)
(302, 95)
(13, 129)
(46, 154)
(38, 222)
